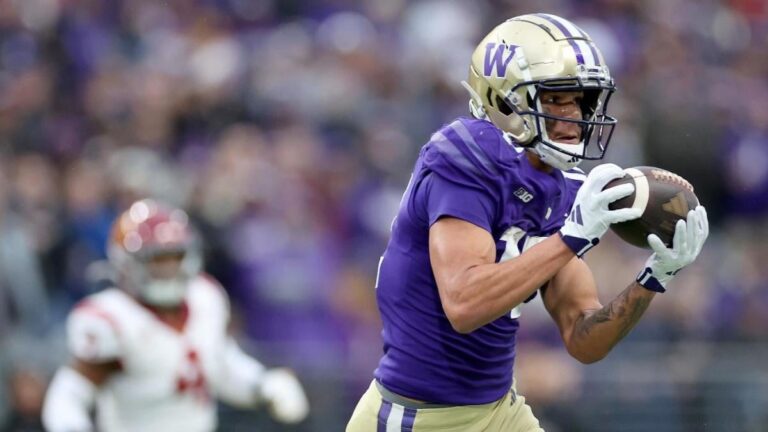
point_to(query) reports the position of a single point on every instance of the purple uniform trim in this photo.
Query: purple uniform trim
(409, 417)
(386, 408)
(647, 280)
(445, 146)
(477, 152)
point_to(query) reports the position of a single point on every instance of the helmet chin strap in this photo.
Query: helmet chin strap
(557, 159)
(552, 153)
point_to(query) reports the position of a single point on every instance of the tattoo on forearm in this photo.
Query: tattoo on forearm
(622, 313)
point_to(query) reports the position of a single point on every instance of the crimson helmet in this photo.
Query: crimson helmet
(145, 235)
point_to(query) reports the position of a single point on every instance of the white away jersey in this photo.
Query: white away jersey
(167, 378)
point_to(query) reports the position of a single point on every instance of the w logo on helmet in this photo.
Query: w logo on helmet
(498, 57)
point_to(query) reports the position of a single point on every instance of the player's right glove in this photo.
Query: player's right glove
(665, 263)
(285, 396)
(590, 217)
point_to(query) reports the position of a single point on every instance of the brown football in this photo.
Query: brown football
(665, 198)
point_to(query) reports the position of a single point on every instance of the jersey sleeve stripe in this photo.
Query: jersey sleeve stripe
(446, 147)
(472, 145)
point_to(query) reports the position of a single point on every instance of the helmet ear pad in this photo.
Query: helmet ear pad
(505, 116)
(512, 122)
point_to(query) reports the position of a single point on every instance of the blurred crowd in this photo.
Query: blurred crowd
(288, 129)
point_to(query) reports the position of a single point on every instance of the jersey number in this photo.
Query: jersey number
(512, 237)
(191, 379)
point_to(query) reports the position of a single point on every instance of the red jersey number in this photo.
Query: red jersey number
(191, 379)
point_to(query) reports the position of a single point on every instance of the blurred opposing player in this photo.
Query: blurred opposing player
(496, 210)
(153, 353)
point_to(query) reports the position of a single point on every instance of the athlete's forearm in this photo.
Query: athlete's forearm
(598, 331)
(68, 401)
(489, 291)
(241, 377)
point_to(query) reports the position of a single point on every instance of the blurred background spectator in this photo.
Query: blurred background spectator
(288, 129)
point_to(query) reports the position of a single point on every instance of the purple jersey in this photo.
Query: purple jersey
(468, 170)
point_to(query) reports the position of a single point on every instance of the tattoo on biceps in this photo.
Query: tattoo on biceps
(625, 312)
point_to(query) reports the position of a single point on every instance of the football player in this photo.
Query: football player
(496, 210)
(153, 353)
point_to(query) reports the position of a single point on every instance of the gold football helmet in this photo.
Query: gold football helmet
(527, 55)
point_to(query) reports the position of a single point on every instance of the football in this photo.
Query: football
(664, 197)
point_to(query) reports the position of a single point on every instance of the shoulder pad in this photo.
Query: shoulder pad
(208, 288)
(93, 334)
(471, 152)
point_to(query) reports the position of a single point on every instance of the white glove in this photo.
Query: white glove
(285, 396)
(590, 217)
(665, 262)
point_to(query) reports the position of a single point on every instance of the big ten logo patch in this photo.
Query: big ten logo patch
(524, 195)
(191, 378)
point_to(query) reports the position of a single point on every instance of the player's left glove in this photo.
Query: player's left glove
(665, 263)
(284, 396)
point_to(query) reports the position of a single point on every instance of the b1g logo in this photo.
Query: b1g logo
(497, 58)
(524, 195)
